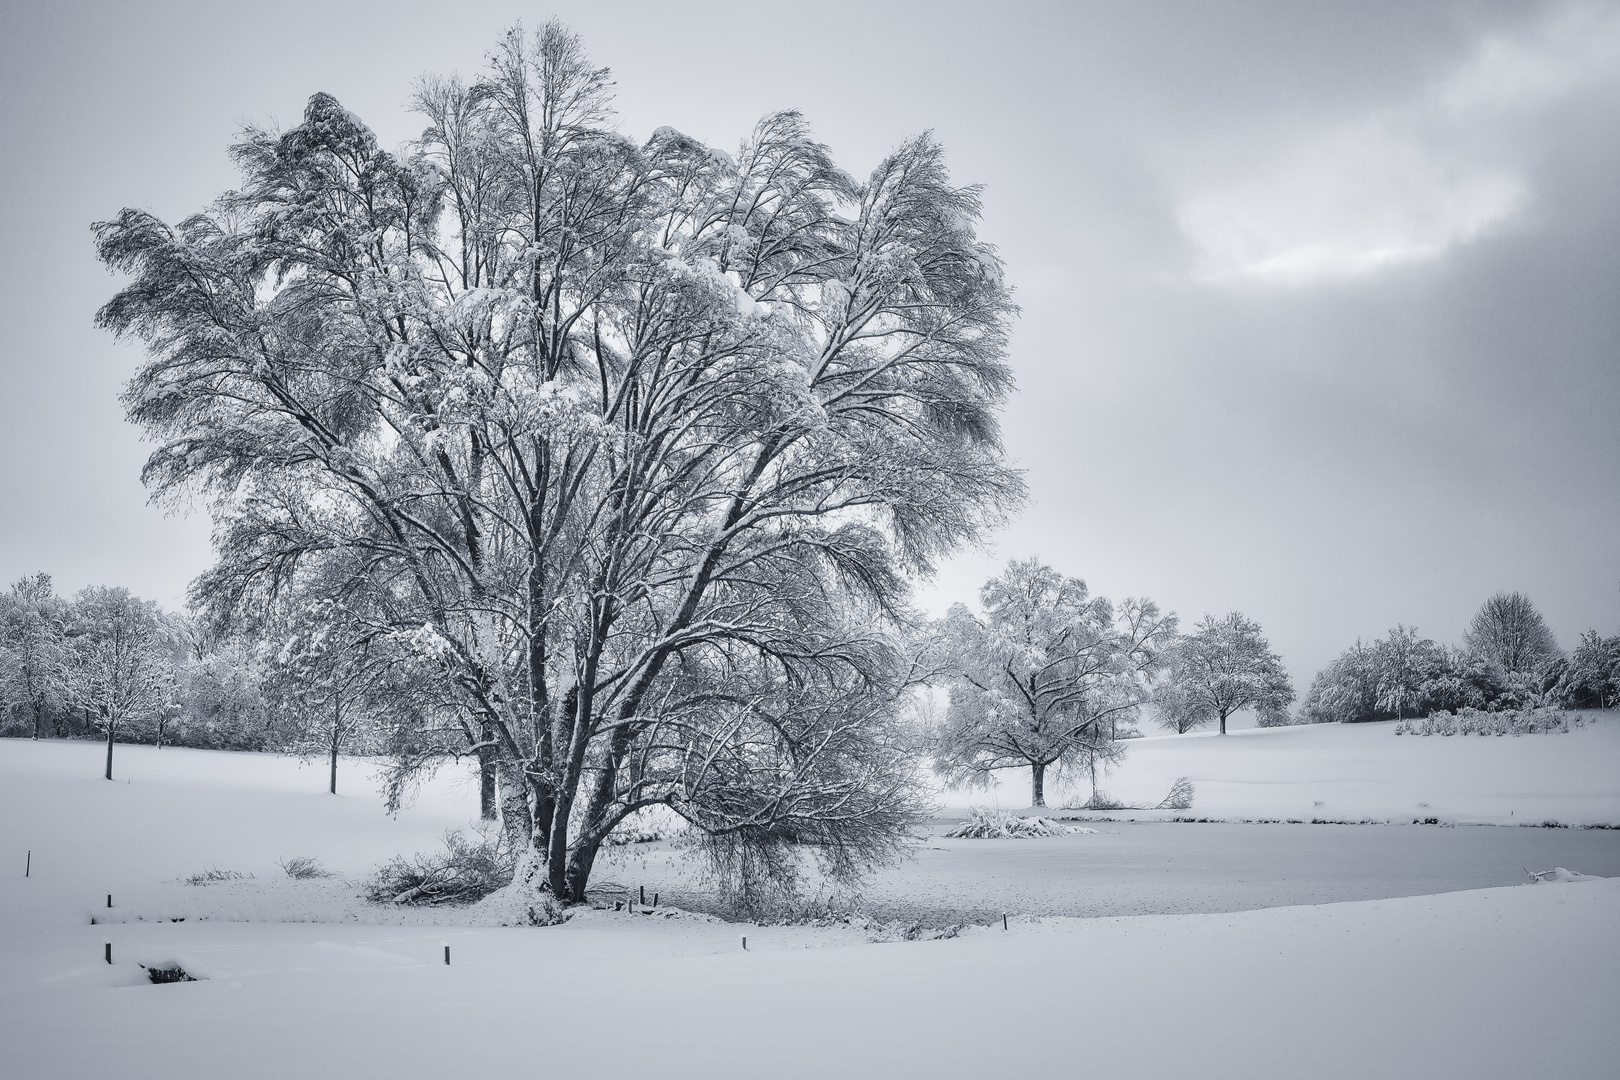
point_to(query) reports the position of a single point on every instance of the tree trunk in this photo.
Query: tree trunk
(1037, 796)
(486, 780)
(37, 711)
(109, 749)
(337, 727)
(516, 820)
(1223, 721)
(580, 862)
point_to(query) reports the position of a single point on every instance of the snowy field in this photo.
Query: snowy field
(1355, 772)
(301, 978)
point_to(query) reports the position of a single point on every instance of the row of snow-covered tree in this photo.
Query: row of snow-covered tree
(1053, 679)
(104, 663)
(1508, 659)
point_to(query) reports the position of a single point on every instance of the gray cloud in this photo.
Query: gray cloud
(1319, 301)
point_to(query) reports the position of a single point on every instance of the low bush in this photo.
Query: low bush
(210, 877)
(986, 824)
(1468, 721)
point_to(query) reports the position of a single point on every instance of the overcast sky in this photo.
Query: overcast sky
(1321, 302)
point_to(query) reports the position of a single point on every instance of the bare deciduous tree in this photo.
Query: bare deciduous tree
(1509, 631)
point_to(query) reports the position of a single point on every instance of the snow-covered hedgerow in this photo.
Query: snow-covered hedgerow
(986, 824)
(1468, 721)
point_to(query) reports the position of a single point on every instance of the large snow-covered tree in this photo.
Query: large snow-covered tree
(1225, 666)
(639, 442)
(1044, 679)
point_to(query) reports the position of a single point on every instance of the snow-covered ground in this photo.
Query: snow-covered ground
(1354, 772)
(1493, 982)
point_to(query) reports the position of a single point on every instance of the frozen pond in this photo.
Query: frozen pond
(1139, 868)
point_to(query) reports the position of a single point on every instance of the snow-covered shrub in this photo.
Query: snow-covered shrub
(214, 875)
(1468, 721)
(304, 868)
(986, 824)
(468, 869)
(1559, 876)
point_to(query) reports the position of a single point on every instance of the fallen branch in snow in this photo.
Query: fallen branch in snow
(1180, 796)
(466, 870)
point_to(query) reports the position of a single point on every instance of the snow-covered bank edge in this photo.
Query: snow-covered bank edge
(1443, 821)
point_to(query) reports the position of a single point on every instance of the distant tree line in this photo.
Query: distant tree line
(107, 664)
(1050, 678)
(1508, 659)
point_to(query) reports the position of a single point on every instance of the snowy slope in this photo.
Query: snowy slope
(1361, 771)
(1497, 982)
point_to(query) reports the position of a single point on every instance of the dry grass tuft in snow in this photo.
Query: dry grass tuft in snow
(215, 875)
(304, 868)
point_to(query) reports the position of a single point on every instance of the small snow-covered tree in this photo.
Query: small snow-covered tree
(1509, 632)
(1225, 665)
(223, 700)
(1180, 710)
(1406, 667)
(33, 650)
(1591, 678)
(342, 682)
(121, 669)
(1044, 679)
(1346, 690)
